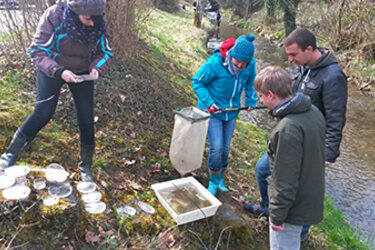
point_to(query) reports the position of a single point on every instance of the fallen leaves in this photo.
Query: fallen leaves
(155, 168)
(91, 238)
(125, 162)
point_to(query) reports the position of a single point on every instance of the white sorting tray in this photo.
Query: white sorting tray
(193, 215)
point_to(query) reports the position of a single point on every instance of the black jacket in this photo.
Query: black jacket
(327, 87)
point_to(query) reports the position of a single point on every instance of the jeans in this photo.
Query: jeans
(262, 171)
(83, 95)
(288, 239)
(219, 136)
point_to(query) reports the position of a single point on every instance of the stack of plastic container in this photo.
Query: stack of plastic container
(91, 197)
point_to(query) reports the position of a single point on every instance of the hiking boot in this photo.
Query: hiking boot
(15, 147)
(255, 208)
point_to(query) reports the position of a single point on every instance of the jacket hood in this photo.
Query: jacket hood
(327, 58)
(297, 104)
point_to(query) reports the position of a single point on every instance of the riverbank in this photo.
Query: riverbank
(347, 30)
(134, 121)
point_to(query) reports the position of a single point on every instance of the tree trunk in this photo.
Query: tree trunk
(290, 11)
(271, 7)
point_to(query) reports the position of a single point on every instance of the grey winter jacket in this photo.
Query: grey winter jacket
(327, 87)
(53, 50)
(296, 156)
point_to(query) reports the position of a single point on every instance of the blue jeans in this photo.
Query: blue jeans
(219, 136)
(262, 171)
(83, 95)
(288, 239)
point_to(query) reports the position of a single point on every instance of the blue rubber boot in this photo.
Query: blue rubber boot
(222, 187)
(213, 184)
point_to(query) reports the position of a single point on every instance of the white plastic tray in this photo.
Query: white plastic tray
(194, 215)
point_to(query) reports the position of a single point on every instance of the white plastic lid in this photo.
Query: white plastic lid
(86, 187)
(126, 211)
(95, 207)
(6, 181)
(50, 201)
(146, 207)
(39, 183)
(56, 173)
(91, 197)
(16, 192)
(17, 171)
(60, 190)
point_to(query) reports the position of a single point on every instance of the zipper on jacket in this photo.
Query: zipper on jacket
(231, 99)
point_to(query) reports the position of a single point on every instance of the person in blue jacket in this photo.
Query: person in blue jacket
(219, 84)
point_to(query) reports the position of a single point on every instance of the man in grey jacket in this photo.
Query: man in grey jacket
(317, 75)
(296, 159)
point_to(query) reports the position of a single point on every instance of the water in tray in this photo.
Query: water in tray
(184, 198)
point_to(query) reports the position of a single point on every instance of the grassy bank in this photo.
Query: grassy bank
(134, 107)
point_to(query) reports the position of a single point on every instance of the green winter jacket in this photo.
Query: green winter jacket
(296, 155)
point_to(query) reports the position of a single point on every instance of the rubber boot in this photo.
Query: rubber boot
(86, 153)
(222, 187)
(213, 184)
(16, 146)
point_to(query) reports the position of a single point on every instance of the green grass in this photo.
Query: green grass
(339, 234)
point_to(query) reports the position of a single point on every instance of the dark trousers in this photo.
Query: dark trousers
(83, 95)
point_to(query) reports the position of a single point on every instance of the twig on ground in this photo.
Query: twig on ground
(199, 238)
(221, 234)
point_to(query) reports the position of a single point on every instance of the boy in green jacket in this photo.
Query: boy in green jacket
(296, 155)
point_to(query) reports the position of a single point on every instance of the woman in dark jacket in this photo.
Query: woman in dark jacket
(71, 40)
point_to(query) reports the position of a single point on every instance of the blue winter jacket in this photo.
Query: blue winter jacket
(214, 84)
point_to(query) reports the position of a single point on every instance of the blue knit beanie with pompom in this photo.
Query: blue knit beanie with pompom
(243, 49)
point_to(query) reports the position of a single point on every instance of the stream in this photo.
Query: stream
(350, 181)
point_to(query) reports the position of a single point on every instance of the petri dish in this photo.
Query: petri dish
(86, 187)
(6, 181)
(17, 171)
(146, 207)
(91, 197)
(17, 192)
(95, 207)
(39, 183)
(60, 190)
(50, 201)
(56, 173)
(126, 211)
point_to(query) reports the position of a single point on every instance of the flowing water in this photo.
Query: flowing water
(350, 182)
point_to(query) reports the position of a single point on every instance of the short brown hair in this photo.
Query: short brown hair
(275, 79)
(303, 37)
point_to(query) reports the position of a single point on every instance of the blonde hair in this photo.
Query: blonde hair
(275, 79)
